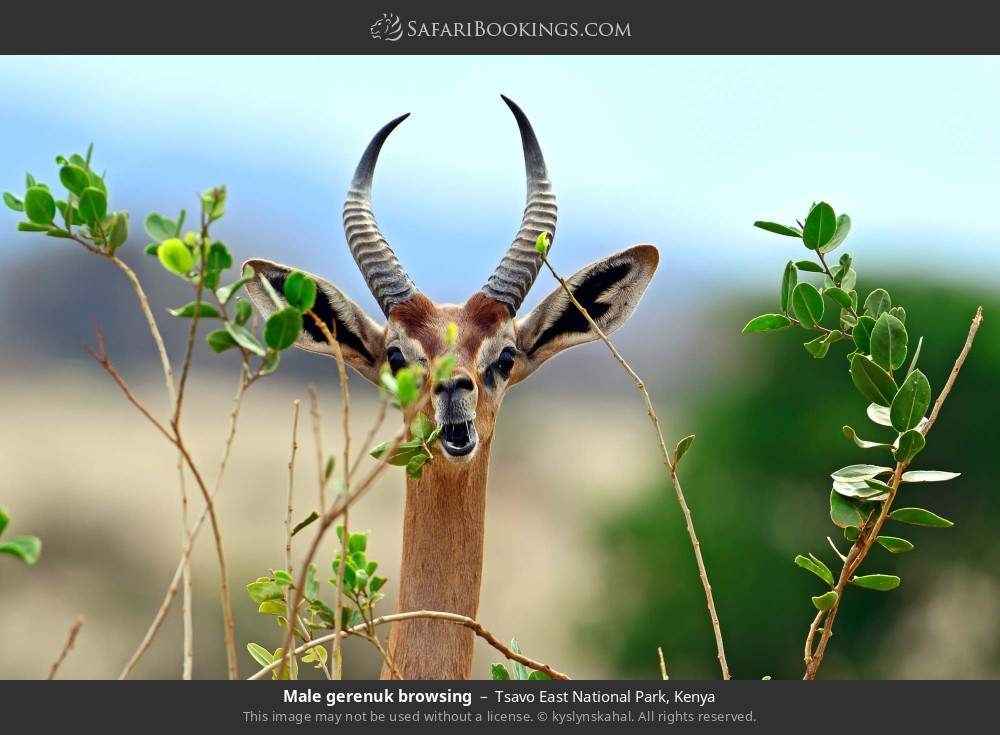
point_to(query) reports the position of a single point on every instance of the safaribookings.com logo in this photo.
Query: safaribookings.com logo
(390, 28)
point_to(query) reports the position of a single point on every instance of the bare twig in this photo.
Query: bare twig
(462, 620)
(292, 612)
(164, 608)
(663, 664)
(324, 524)
(317, 427)
(67, 647)
(668, 463)
(869, 533)
(383, 407)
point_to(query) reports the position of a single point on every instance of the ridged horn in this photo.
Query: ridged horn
(512, 279)
(382, 270)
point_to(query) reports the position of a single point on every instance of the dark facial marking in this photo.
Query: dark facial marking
(587, 293)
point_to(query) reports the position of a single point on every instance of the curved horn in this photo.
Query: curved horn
(512, 279)
(382, 270)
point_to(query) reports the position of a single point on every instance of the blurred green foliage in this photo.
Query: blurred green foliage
(769, 433)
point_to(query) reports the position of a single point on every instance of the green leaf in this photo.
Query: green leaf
(160, 228)
(32, 227)
(879, 414)
(283, 328)
(498, 672)
(807, 303)
(13, 202)
(119, 230)
(899, 312)
(859, 472)
(175, 256)
(542, 243)
(302, 524)
(861, 489)
(270, 362)
(260, 654)
(243, 312)
(777, 229)
(312, 584)
(877, 303)
(808, 266)
(842, 229)
(421, 426)
(682, 447)
(245, 340)
(879, 582)
(911, 402)
(844, 512)
(74, 178)
(204, 311)
(821, 345)
(539, 676)
(407, 387)
(220, 340)
(300, 291)
(39, 206)
(788, 281)
(851, 533)
(862, 333)
(928, 476)
(909, 445)
(226, 292)
(403, 454)
(415, 467)
(25, 548)
(853, 436)
(767, 323)
(872, 381)
(282, 577)
(218, 258)
(93, 205)
(920, 517)
(520, 670)
(817, 567)
(825, 601)
(273, 607)
(840, 296)
(820, 226)
(894, 544)
(888, 342)
(263, 590)
(4, 519)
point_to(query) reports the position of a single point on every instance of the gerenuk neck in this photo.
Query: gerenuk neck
(442, 568)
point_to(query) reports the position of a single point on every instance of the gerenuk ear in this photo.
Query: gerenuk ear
(609, 289)
(360, 338)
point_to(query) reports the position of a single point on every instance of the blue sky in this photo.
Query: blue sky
(682, 152)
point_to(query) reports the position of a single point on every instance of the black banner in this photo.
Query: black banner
(763, 706)
(514, 27)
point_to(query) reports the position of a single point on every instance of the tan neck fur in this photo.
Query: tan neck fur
(442, 567)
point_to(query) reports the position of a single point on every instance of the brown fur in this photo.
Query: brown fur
(442, 568)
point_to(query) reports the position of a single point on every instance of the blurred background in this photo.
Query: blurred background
(587, 561)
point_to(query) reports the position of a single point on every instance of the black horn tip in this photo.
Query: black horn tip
(366, 167)
(534, 163)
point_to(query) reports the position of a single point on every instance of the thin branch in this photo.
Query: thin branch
(164, 608)
(317, 427)
(324, 525)
(976, 321)
(383, 407)
(663, 664)
(462, 620)
(292, 613)
(807, 656)
(869, 533)
(667, 462)
(73, 632)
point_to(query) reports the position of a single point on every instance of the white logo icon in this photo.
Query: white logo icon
(387, 28)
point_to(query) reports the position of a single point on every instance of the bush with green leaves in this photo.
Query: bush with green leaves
(899, 398)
